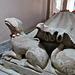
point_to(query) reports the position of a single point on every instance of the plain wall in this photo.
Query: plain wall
(55, 10)
(30, 12)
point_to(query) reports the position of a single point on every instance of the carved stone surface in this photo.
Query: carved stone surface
(5, 71)
(24, 70)
(5, 46)
(61, 28)
(28, 52)
(56, 36)
(20, 69)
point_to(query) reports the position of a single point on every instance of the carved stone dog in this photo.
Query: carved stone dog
(22, 45)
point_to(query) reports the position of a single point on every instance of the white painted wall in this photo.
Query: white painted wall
(70, 5)
(30, 12)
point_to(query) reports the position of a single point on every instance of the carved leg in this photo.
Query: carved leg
(37, 57)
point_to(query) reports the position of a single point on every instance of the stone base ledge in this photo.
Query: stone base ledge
(14, 69)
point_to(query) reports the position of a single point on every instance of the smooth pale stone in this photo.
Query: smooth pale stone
(2, 73)
(33, 33)
(47, 73)
(1, 62)
(38, 56)
(23, 70)
(49, 68)
(8, 58)
(7, 71)
(19, 62)
(65, 61)
(19, 69)
(12, 54)
(24, 63)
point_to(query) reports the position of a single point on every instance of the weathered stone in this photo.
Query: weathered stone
(49, 68)
(0, 62)
(11, 54)
(19, 69)
(6, 71)
(47, 73)
(2, 73)
(64, 61)
(62, 28)
(23, 45)
(5, 46)
(17, 66)
(56, 35)
(24, 63)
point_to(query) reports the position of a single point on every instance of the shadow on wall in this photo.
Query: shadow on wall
(30, 12)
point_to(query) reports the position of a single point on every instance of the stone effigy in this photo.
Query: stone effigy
(29, 53)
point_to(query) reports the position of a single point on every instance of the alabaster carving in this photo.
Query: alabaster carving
(23, 47)
(54, 38)
(58, 33)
